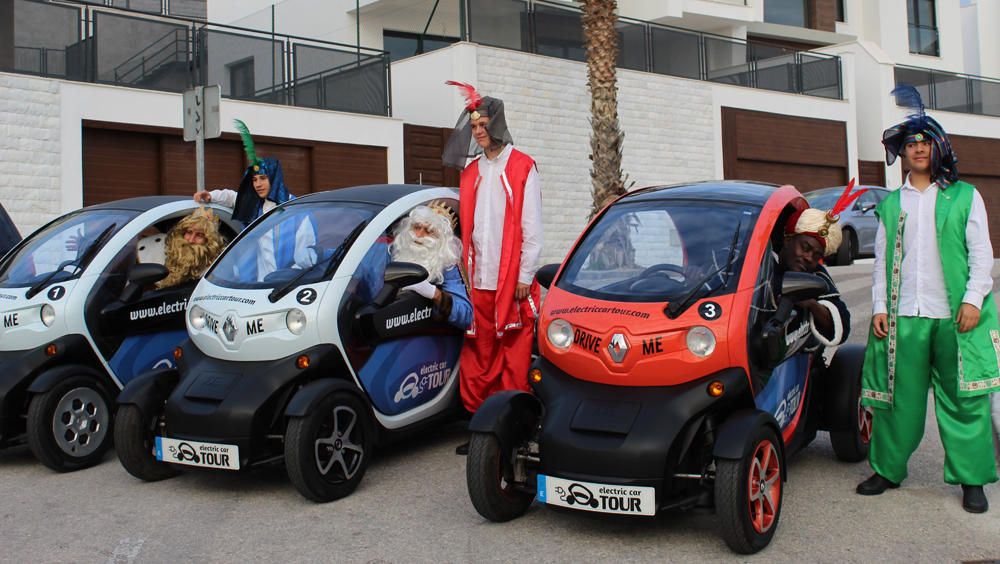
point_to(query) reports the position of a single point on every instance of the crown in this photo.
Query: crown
(444, 209)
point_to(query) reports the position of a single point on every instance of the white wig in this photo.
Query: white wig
(437, 252)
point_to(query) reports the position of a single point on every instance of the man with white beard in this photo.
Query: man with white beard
(426, 237)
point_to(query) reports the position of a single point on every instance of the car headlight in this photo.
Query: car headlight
(560, 334)
(701, 341)
(48, 315)
(295, 319)
(197, 317)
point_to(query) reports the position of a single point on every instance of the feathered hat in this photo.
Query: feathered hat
(919, 126)
(461, 145)
(823, 225)
(248, 204)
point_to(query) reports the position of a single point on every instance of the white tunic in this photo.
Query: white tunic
(487, 230)
(922, 291)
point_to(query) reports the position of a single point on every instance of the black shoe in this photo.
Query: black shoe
(974, 499)
(462, 449)
(876, 485)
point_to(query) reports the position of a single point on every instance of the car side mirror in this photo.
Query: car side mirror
(398, 275)
(142, 275)
(546, 275)
(798, 286)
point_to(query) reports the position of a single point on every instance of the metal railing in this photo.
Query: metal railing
(102, 44)
(924, 40)
(954, 92)
(546, 28)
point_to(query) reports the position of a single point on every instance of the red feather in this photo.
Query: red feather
(846, 199)
(472, 98)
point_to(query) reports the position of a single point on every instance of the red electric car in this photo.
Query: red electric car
(673, 373)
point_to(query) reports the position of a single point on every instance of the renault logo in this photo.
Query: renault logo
(229, 328)
(618, 347)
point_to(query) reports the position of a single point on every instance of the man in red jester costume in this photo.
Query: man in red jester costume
(500, 213)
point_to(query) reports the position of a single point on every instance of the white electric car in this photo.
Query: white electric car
(79, 321)
(300, 351)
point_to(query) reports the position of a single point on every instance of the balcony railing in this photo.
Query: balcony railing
(953, 92)
(553, 29)
(128, 48)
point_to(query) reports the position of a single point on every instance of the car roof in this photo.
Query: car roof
(737, 191)
(140, 204)
(378, 194)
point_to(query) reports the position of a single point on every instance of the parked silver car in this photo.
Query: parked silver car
(859, 222)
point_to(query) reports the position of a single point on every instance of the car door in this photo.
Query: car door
(8, 233)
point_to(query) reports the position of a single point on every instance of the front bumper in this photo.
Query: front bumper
(19, 368)
(240, 403)
(622, 435)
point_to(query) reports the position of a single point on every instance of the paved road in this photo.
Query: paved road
(412, 506)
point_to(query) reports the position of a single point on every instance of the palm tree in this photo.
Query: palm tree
(606, 138)
(599, 18)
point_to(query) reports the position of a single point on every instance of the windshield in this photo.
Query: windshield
(659, 251)
(54, 251)
(288, 241)
(823, 199)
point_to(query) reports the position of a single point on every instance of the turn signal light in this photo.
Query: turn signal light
(302, 362)
(716, 388)
(535, 375)
(51, 350)
(178, 353)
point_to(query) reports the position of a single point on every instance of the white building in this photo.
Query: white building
(780, 90)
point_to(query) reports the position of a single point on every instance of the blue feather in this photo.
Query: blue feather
(909, 97)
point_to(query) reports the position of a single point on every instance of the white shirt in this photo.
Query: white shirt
(922, 291)
(488, 222)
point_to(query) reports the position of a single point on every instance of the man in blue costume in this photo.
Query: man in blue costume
(261, 189)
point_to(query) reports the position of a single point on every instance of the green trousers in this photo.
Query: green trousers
(928, 356)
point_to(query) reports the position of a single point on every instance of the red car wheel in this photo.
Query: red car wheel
(748, 493)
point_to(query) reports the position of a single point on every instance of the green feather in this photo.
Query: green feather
(247, 142)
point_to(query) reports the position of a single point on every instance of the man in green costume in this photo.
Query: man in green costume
(934, 321)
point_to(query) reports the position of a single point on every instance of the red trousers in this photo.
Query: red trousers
(488, 363)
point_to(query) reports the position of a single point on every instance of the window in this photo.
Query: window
(923, 27)
(786, 12)
(402, 44)
(241, 80)
(839, 6)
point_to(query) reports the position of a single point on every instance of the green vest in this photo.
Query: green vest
(979, 349)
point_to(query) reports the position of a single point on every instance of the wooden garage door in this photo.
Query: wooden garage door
(123, 161)
(422, 150)
(805, 152)
(978, 165)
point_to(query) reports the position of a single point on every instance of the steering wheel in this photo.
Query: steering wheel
(665, 269)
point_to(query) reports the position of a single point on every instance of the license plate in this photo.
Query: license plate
(193, 453)
(601, 498)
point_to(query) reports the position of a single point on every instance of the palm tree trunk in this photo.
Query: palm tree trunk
(599, 18)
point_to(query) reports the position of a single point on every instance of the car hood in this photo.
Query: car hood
(634, 344)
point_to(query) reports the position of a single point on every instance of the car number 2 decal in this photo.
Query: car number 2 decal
(710, 310)
(306, 296)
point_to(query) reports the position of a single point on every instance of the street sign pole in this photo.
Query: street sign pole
(201, 121)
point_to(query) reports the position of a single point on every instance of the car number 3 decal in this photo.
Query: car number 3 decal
(710, 310)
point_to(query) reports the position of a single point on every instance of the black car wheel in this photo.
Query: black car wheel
(135, 441)
(327, 451)
(69, 426)
(748, 493)
(845, 254)
(489, 475)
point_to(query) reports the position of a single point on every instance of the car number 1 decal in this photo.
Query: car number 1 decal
(710, 310)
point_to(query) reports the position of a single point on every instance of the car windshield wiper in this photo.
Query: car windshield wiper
(331, 262)
(677, 307)
(82, 258)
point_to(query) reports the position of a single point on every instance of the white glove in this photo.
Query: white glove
(425, 289)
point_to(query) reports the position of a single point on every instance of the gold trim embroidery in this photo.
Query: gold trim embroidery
(991, 384)
(897, 259)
